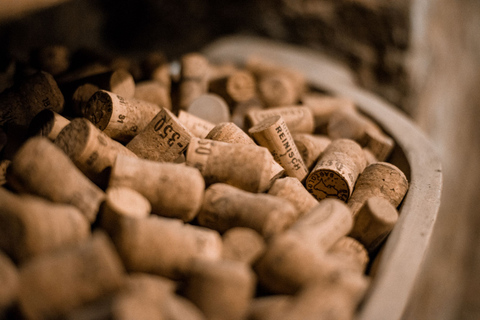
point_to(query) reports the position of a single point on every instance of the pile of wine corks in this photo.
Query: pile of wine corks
(186, 190)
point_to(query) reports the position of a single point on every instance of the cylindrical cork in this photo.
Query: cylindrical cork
(21, 103)
(310, 146)
(277, 89)
(54, 59)
(291, 189)
(220, 289)
(80, 98)
(193, 78)
(274, 134)
(336, 171)
(323, 106)
(241, 109)
(10, 282)
(269, 307)
(380, 179)
(236, 87)
(3, 170)
(242, 245)
(299, 119)
(121, 203)
(174, 190)
(163, 139)
(154, 92)
(164, 246)
(248, 167)
(369, 156)
(373, 222)
(350, 253)
(53, 284)
(47, 123)
(155, 67)
(210, 107)
(31, 226)
(39, 167)
(197, 126)
(231, 133)
(225, 207)
(378, 143)
(119, 118)
(324, 225)
(92, 151)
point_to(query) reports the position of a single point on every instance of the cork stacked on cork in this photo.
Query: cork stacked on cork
(220, 191)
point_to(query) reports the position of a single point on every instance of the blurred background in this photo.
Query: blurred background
(423, 56)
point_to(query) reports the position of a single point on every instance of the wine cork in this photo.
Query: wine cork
(369, 156)
(242, 245)
(350, 253)
(378, 143)
(374, 221)
(154, 92)
(197, 126)
(336, 171)
(324, 225)
(323, 106)
(56, 283)
(248, 167)
(382, 180)
(274, 134)
(161, 184)
(41, 168)
(54, 59)
(9, 279)
(236, 87)
(3, 170)
(32, 226)
(269, 307)
(220, 289)
(221, 70)
(299, 119)
(121, 203)
(210, 107)
(80, 98)
(119, 118)
(164, 246)
(241, 109)
(310, 146)
(21, 103)
(155, 67)
(193, 78)
(92, 151)
(47, 123)
(225, 207)
(291, 189)
(163, 139)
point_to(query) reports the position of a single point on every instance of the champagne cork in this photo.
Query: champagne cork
(324, 225)
(274, 134)
(236, 87)
(374, 221)
(248, 167)
(164, 246)
(47, 123)
(119, 118)
(210, 107)
(54, 59)
(269, 307)
(92, 151)
(197, 126)
(323, 106)
(310, 146)
(3, 170)
(299, 119)
(21, 103)
(10, 281)
(225, 207)
(56, 283)
(80, 98)
(350, 253)
(220, 289)
(242, 245)
(241, 109)
(231, 133)
(32, 226)
(154, 92)
(173, 190)
(291, 189)
(163, 139)
(336, 171)
(382, 180)
(121, 203)
(193, 78)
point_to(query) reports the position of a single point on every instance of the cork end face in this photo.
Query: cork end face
(73, 138)
(99, 109)
(327, 184)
